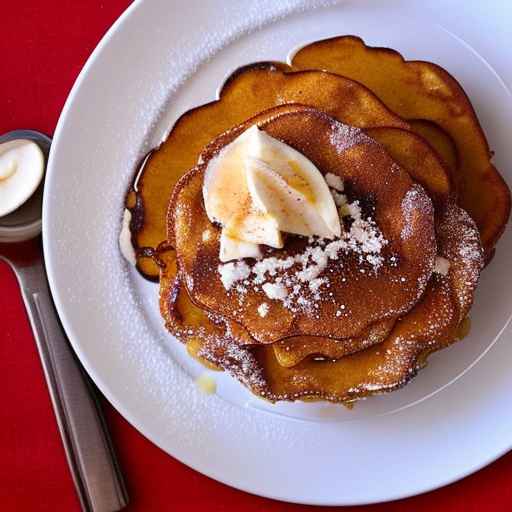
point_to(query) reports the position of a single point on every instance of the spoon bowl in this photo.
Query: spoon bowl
(25, 222)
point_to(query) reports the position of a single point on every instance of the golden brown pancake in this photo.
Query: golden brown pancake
(416, 156)
(433, 103)
(249, 91)
(365, 357)
(431, 325)
(292, 351)
(425, 167)
(421, 90)
(416, 159)
(184, 320)
(441, 142)
(401, 209)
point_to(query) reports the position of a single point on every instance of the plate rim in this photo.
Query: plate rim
(419, 489)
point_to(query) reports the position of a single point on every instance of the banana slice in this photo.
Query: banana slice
(300, 174)
(233, 248)
(258, 187)
(290, 208)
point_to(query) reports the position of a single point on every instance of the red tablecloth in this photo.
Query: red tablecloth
(43, 45)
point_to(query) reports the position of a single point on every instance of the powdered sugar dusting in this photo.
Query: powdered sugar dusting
(263, 309)
(238, 361)
(275, 290)
(343, 137)
(363, 238)
(414, 200)
(464, 250)
(230, 273)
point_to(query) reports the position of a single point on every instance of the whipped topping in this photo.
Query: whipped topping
(233, 248)
(21, 172)
(125, 239)
(257, 187)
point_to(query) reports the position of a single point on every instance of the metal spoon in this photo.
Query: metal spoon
(88, 447)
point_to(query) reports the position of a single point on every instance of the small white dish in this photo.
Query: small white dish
(25, 221)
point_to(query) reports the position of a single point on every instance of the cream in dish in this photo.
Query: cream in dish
(21, 172)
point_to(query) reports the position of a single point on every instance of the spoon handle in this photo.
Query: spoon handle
(89, 451)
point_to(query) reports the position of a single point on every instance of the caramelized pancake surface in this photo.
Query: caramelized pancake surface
(425, 167)
(431, 325)
(378, 341)
(402, 211)
(249, 91)
(292, 351)
(425, 91)
(431, 101)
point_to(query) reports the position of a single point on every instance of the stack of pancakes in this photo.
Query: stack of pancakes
(410, 151)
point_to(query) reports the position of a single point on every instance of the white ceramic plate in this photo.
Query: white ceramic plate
(162, 58)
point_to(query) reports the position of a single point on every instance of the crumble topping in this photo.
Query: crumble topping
(263, 309)
(232, 272)
(441, 266)
(363, 238)
(275, 290)
(334, 181)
